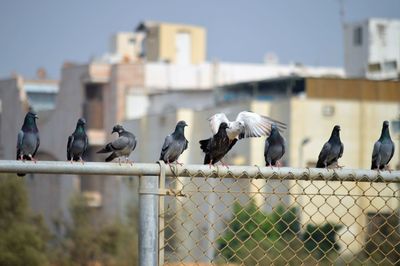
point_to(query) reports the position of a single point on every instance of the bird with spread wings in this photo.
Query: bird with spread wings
(246, 125)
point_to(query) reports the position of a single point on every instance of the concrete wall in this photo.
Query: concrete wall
(355, 56)
(380, 44)
(167, 34)
(361, 124)
(384, 46)
(163, 76)
(14, 106)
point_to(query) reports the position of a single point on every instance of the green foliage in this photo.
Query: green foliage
(88, 241)
(254, 236)
(22, 236)
(321, 240)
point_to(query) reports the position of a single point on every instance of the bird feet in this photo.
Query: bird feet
(81, 160)
(224, 164)
(279, 164)
(181, 164)
(387, 168)
(339, 166)
(32, 159)
(128, 161)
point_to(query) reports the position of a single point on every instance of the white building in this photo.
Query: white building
(372, 48)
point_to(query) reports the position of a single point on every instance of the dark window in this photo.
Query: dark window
(357, 36)
(374, 67)
(93, 106)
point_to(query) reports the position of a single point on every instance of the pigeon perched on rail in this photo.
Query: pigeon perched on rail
(77, 142)
(174, 144)
(332, 150)
(216, 147)
(28, 140)
(246, 125)
(274, 147)
(122, 146)
(383, 149)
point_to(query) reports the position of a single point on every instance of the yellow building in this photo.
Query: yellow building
(174, 43)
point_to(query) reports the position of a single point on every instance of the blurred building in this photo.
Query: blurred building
(152, 41)
(372, 48)
(310, 107)
(158, 75)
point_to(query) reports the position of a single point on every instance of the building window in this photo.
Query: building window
(390, 66)
(374, 67)
(357, 38)
(381, 28)
(328, 110)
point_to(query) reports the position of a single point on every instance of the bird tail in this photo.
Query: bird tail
(207, 159)
(25, 157)
(320, 164)
(107, 148)
(233, 142)
(111, 157)
(204, 145)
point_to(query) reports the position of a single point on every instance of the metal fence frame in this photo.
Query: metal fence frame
(152, 186)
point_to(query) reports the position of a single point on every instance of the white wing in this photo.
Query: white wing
(216, 120)
(256, 125)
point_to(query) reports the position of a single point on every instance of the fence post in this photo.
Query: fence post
(148, 220)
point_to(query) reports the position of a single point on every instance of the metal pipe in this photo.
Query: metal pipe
(148, 220)
(194, 170)
(77, 168)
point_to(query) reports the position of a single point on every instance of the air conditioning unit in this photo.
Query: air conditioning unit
(93, 199)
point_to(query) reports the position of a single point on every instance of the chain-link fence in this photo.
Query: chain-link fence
(249, 215)
(279, 219)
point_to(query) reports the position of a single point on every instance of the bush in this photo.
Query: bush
(255, 237)
(104, 244)
(23, 236)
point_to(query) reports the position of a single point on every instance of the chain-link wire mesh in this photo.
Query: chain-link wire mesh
(257, 220)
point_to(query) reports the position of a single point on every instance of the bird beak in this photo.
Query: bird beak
(36, 116)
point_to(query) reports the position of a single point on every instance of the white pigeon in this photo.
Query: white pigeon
(246, 125)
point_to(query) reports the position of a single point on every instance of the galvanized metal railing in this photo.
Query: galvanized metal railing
(152, 189)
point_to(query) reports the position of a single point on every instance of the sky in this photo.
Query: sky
(46, 33)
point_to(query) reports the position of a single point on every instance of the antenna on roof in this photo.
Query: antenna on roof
(341, 12)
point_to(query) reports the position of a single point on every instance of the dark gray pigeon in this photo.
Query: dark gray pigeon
(216, 147)
(383, 149)
(122, 146)
(174, 144)
(77, 142)
(28, 140)
(332, 150)
(274, 147)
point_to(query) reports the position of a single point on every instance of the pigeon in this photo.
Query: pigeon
(28, 140)
(216, 147)
(383, 149)
(122, 146)
(77, 142)
(274, 147)
(332, 150)
(174, 144)
(246, 125)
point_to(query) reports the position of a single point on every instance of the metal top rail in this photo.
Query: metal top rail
(193, 170)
